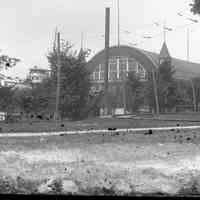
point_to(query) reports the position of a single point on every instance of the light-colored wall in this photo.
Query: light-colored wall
(116, 70)
(37, 76)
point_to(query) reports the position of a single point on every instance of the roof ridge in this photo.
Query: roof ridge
(164, 52)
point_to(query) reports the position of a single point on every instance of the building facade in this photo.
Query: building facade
(125, 59)
(37, 75)
(6, 81)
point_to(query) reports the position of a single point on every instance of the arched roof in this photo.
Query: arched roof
(125, 51)
(184, 69)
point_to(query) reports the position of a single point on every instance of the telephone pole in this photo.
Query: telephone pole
(155, 87)
(191, 81)
(118, 11)
(193, 95)
(188, 44)
(164, 31)
(107, 41)
(57, 114)
(124, 71)
(195, 106)
(82, 40)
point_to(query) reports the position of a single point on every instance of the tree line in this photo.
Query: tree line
(41, 98)
(171, 92)
(78, 102)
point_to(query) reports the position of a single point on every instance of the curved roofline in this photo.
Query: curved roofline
(126, 46)
(139, 52)
(150, 60)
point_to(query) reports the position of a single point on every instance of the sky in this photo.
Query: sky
(28, 27)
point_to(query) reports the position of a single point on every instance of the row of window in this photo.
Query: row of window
(118, 68)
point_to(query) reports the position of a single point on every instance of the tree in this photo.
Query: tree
(195, 6)
(6, 93)
(184, 92)
(6, 99)
(75, 82)
(136, 91)
(149, 92)
(167, 87)
(7, 62)
(196, 82)
(38, 100)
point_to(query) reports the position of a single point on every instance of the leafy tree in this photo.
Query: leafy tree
(7, 62)
(195, 6)
(136, 91)
(94, 103)
(167, 88)
(184, 93)
(75, 86)
(6, 100)
(149, 92)
(38, 100)
(196, 82)
(75, 82)
(6, 93)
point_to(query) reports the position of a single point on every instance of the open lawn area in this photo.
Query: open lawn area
(165, 162)
(137, 121)
(115, 163)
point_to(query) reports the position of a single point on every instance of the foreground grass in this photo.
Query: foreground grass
(138, 121)
(165, 163)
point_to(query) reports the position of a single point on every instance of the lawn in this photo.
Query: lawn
(134, 163)
(165, 162)
(138, 121)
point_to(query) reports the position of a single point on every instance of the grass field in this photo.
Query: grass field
(165, 162)
(138, 121)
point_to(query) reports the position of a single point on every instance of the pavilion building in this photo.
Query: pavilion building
(124, 59)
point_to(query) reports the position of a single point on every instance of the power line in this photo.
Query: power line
(159, 34)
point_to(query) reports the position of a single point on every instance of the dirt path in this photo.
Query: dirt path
(98, 131)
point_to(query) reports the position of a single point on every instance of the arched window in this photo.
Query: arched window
(122, 68)
(101, 72)
(118, 68)
(141, 71)
(132, 65)
(112, 75)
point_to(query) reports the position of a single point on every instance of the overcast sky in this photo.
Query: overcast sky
(28, 26)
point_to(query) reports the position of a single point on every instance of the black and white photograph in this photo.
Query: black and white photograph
(100, 98)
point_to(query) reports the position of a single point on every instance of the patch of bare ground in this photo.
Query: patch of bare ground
(163, 162)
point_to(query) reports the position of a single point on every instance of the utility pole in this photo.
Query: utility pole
(193, 95)
(55, 39)
(191, 81)
(118, 11)
(107, 41)
(81, 40)
(188, 44)
(155, 87)
(124, 91)
(57, 114)
(124, 71)
(164, 31)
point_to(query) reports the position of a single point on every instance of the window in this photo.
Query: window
(141, 71)
(102, 67)
(96, 76)
(122, 68)
(96, 73)
(35, 78)
(113, 69)
(92, 76)
(132, 64)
